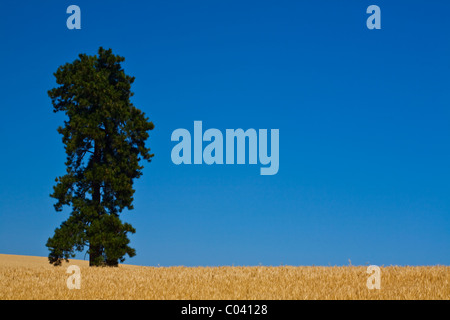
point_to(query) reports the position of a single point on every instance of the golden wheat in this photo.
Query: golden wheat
(24, 277)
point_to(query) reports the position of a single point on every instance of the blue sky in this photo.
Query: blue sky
(363, 118)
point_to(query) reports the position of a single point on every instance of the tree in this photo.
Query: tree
(104, 140)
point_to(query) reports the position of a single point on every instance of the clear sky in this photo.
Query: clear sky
(363, 117)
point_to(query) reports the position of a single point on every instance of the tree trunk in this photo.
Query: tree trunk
(95, 250)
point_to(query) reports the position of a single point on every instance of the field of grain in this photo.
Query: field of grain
(25, 277)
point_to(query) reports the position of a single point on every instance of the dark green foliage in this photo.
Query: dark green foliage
(104, 140)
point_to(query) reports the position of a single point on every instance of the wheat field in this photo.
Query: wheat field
(27, 277)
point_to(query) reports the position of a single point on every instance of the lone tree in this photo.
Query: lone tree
(104, 140)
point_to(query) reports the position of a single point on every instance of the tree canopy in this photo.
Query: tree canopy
(104, 139)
